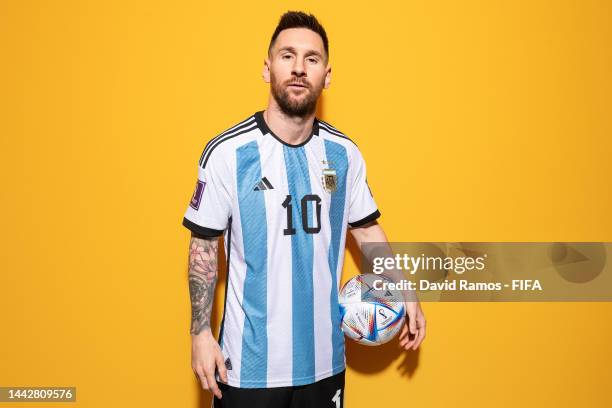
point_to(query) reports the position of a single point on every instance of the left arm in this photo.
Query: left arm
(413, 333)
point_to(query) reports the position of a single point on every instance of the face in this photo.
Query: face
(297, 71)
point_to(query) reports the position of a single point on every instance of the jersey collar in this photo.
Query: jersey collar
(263, 126)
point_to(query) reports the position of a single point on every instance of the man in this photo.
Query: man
(281, 186)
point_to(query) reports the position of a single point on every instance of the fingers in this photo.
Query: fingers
(421, 335)
(208, 381)
(413, 332)
(202, 379)
(212, 383)
(408, 342)
(206, 361)
(221, 367)
(404, 339)
(411, 311)
(403, 333)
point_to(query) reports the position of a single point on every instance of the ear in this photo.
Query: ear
(327, 77)
(266, 71)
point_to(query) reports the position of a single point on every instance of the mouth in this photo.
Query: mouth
(297, 85)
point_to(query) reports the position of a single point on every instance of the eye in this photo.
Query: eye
(313, 60)
(286, 56)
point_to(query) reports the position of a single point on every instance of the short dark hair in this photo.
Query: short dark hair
(299, 19)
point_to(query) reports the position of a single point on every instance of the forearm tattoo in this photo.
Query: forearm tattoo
(202, 280)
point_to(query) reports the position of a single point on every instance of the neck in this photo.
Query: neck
(291, 129)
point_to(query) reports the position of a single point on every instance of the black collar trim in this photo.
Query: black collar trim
(263, 126)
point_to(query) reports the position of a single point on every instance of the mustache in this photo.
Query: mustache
(296, 81)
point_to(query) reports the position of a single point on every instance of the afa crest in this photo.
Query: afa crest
(329, 180)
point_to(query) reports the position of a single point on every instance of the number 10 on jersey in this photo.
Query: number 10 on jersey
(288, 205)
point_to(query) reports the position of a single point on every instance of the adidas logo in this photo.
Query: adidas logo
(263, 184)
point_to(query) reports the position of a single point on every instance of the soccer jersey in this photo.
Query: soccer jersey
(284, 211)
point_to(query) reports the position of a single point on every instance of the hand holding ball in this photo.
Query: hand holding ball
(371, 317)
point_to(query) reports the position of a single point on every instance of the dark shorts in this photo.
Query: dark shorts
(328, 392)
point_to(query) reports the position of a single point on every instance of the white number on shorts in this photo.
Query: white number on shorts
(336, 398)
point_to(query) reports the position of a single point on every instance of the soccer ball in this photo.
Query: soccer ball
(371, 317)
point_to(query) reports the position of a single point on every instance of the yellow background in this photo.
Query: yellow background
(479, 121)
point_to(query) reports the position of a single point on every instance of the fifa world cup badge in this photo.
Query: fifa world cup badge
(329, 180)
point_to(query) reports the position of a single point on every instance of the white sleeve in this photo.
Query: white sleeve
(210, 206)
(362, 207)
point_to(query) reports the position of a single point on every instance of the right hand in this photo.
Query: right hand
(206, 357)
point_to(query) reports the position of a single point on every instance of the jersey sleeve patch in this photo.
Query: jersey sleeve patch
(196, 199)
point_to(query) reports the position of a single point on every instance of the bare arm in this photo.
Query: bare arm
(206, 355)
(373, 232)
(202, 281)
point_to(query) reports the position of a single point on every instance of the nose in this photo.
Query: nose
(298, 68)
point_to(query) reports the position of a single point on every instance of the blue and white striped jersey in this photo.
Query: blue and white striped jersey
(284, 211)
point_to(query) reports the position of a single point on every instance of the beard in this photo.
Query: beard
(291, 106)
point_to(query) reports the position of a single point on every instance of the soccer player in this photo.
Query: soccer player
(282, 187)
